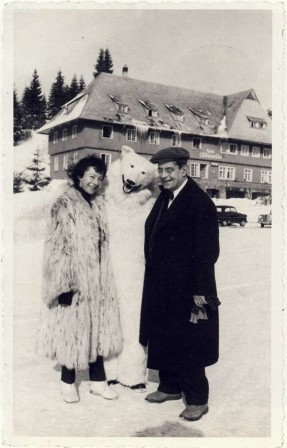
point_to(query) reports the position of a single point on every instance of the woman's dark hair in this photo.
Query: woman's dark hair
(77, 171)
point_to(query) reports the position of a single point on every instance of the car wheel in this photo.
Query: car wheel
(242, 223)
(224, 223)
(262, 225)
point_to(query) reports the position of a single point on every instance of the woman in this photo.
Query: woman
(81, 322)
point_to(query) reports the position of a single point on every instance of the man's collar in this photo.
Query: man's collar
(178, 190)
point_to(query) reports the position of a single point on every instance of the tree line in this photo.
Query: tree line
(33, 109)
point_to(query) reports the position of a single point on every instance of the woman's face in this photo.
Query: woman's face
(91, 180)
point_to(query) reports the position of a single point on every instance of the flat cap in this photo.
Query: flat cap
(170, 154)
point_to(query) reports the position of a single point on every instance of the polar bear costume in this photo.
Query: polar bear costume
(129, 199)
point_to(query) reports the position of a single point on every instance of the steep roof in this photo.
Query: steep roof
(121, 99)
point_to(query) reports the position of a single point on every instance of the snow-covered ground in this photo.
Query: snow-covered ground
(239, 382)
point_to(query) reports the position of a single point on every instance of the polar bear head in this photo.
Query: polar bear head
(137, 172)
(130, 175)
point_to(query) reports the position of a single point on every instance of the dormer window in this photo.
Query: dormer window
(201, 116)
(150, 108)
(122, 108)
(153, 113)
(177, 114)
(257, 123)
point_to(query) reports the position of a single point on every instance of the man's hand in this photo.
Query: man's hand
(199, 300)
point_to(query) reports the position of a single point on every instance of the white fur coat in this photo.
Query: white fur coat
(76, 258)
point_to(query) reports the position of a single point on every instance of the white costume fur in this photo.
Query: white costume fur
(75, 335)
(127, 213)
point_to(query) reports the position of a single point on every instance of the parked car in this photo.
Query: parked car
(265, 220)
(228, 215)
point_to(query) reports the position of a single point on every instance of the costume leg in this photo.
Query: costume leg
(169, 382)
(194, 385)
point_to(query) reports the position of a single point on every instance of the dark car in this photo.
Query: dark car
(228, 215)
(265, 220)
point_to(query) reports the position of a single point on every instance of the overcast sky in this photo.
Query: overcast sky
(219, 51)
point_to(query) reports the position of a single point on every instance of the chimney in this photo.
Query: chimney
(125, 70)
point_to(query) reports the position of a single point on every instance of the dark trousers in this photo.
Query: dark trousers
(193, 384)
(96, 372)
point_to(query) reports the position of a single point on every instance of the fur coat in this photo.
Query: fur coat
(76, 258)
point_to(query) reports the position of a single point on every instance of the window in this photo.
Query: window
(131, 135)
(74, 131)
(201, 116)
(64, 135)
(257, 123)
(255, 151)
(177, 114)
(244, 150)
(153, 113)
(154, 137)
(107, 132)
(107, 158)
(65, 162)
(266, 177)
(75, 157)
(55, 137)
(195, 170)
(196, 143)
(123, 108)
(176, 139)
(228, 148)
(248, 174)
(226, 172)
(56, 163)
(150, 108)
(203, 171)
(266, 153)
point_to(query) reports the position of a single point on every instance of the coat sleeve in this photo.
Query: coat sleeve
(58, 272)
(206, 250)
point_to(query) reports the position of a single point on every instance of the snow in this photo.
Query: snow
(240, 396)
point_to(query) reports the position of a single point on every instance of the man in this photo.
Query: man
(179, 315)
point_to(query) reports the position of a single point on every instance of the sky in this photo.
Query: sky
(219, 51)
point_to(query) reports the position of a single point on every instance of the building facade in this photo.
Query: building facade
(228, 137)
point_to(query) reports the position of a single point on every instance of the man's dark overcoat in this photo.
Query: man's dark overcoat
(181, 250)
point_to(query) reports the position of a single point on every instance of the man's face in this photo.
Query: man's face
(171, 176)
(91, 180)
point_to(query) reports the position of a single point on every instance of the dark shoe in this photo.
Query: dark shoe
(193, 412)
(161, 397)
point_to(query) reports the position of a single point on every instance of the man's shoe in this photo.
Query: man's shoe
(192, 412)
(69, 392)
(102, 388)
(161, 397)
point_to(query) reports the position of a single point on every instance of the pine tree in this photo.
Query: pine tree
(33, 104)
(18, 182)
(108, 62)
(17, 119)
(37, 180)
(57, 96)
(73, 89)
(82, 84)
(100, 65)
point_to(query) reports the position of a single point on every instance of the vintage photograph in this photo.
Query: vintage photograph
(142, 219)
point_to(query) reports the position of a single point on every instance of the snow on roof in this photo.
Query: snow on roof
(95, 104)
